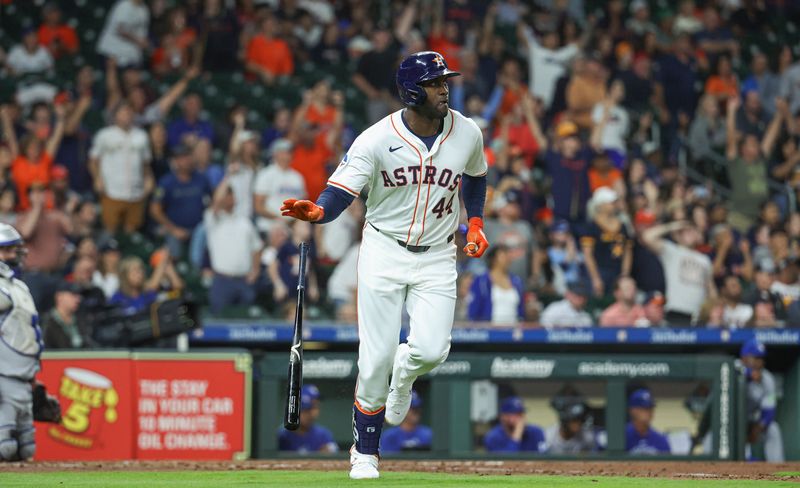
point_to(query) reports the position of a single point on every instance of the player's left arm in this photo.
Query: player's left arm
(473, 190)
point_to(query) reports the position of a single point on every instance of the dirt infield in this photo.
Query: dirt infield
(642, 469)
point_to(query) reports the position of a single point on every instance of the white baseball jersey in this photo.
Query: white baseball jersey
(20, 336)
(413, 192)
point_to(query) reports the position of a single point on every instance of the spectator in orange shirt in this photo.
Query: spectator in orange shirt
(510, 79)
(520, 129)
(624, 312)
(58, 37)
(603, 173)
(268, 56)
(444, 40)
(173, 54)
(314, 147)
(723, 84)
(32, 162)
(321, 110)
(586, 89)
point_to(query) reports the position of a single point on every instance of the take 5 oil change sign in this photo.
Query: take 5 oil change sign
(96, 409)
(147, 406)
(192, 408)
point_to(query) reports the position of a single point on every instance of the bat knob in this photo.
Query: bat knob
(472, 247)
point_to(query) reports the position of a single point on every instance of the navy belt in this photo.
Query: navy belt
(410, 248)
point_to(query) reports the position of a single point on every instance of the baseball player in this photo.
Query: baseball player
(761, 403)
(410, 435)
(414, 162)
(20, 348)
(513, 433)
(309, 437)
(572, 434)
(640, 437)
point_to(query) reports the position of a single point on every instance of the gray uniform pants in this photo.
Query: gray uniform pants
(16, 420)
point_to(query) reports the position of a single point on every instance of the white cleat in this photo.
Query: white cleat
(363, 466)
(399, 400)
(397, 404)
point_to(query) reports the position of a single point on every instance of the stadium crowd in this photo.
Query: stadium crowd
(644, 160)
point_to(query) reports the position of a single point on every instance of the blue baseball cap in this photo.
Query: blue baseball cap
(312, 391)
(306, 402)
(560, 226)
(512, 404)
(416, 401)
(753, 348)
(641, 398)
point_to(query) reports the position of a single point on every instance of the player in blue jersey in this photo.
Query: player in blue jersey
(410, 435)
(761, 398)
(309, 437)
(640, 437)
(513, 434)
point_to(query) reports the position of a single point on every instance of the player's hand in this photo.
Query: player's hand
(302, 210)
(476, 239)
(519, 429)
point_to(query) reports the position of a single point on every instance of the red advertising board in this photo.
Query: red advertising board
(147, 406)
(96, 406)
(190, 409)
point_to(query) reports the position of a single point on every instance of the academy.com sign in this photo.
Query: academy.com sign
(328, 368)
(522, 368)
(615, 368)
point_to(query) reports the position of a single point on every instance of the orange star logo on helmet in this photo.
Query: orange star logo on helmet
(439, 60)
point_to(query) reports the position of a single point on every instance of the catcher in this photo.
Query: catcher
(20, 348)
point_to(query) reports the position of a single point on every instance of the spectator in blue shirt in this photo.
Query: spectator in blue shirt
(566, 260)
(497, 295)
(279, 127)
(136, 291)
(179, 200)
(640, 437)
(568, 167)
(190, 123)
(410, 435)
(677, 73)
(513, 434)
(309, 437)
(715, 39)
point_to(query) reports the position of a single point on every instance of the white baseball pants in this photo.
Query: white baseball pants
(388, 277)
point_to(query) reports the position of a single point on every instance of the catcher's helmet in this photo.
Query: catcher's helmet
(9, 236)
(416, 69)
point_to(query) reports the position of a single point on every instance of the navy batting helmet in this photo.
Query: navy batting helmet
(419, 68)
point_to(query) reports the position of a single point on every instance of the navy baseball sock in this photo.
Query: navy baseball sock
(367, 430)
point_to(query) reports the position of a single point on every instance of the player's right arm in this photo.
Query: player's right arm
(344, 185)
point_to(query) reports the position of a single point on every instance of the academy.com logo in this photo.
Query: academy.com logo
(327, 368)
(614, 368)
(522, 368)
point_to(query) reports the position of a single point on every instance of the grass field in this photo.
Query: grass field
(324, 479)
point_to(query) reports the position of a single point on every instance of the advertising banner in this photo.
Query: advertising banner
(96, 407)
(192, 408)
(147, 406)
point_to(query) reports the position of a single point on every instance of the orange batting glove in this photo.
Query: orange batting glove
(476, 239)
(302, 210)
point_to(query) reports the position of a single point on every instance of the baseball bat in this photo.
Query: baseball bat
(291, 418)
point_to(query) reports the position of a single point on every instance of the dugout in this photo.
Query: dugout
(451, 391)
